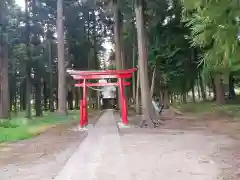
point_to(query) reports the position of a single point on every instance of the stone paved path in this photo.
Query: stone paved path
(107, 154)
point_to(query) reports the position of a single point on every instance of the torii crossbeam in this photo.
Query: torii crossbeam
(81, 78)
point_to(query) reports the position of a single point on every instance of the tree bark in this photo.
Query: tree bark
(70, 100)
(184, 98)
(232, 93)
(94, 94)
(147, 107)
(198, 89)
(203, 92)
(134, 76)
(220, 98)
(77, 98)
(28, 64)
(171, 98)
(137, 94)
(45, 96)
(4, 86)
(153, 81)
(213, 88)
(15, 104)
(38, 92)
(193, 93)
(23, 95)
(38, 104)
(117, 38)
(11, 97)
(61, 61)
(50, 89)
(166, 99)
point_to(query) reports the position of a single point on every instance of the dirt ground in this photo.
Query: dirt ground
(208, 125)
(43, 157)
(229, 156)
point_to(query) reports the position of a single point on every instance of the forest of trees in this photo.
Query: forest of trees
(180, 46)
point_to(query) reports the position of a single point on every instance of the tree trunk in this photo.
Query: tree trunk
(184, 98)
(203, 92)
(50, 89)
(45, 96)
(153, 81)
(117, 38)
(209, 91)
(198, 89)
(15, 102)
(95, 39)
(134, 76)
(98, 100)
(38, 92)
(96, 63)
(171, 98)
(166, 100)
(38, 100)
(28, 94)
(23, 95)
(13, 93)
(232, 93)
(70, 100)
(193, 93)
(161, 93)
(77, 98)
(220, 98)
(137, 94)
(28, 64)
(147, 107)
(4, 86)
(61, 61)
(213, 88)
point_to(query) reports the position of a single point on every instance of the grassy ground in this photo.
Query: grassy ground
(229, 110)
(18, 128)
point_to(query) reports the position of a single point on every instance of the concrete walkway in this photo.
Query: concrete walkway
(106, 154)
(99, 155)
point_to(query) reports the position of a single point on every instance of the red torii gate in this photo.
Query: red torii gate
(82, 76)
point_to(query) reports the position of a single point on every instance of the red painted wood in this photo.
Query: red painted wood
(104, 72)
(102, 84)
(97, 76)
(123, 102)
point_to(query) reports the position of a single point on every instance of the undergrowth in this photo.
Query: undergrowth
(19, 128)
(227, 110)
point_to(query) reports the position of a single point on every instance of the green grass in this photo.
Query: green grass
(229, 110)
(19, 128)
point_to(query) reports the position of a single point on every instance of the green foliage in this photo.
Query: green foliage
(214, 27)
(169, 50)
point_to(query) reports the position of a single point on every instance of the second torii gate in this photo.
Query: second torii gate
(82, 76)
